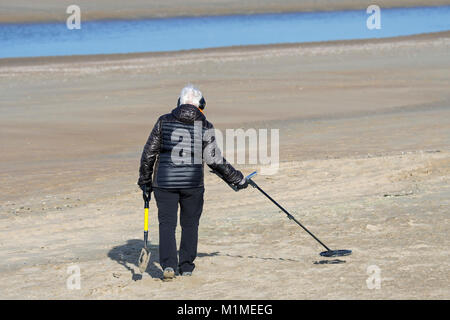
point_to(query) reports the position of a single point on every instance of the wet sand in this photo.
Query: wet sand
(365, 164)
(55, 10)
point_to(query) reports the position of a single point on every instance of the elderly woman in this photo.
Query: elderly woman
(172, 166)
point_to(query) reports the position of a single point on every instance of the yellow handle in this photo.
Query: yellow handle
(146, 220)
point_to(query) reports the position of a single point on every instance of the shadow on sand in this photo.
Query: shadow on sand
(127, 255)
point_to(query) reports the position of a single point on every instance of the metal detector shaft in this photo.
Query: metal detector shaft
(254, 185)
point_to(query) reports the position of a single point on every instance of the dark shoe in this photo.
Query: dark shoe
(186, 274)
(169, 273)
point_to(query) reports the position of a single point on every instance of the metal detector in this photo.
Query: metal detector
(329, 253)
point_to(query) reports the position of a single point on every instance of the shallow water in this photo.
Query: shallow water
(170, 34)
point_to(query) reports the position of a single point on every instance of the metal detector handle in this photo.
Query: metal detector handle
(251, 175)
(249, 179)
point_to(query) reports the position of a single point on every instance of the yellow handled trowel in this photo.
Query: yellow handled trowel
(144, 257)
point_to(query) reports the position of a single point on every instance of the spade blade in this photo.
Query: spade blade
(144, 258)
(336, 253)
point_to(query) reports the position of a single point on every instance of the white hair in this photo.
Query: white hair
(190, 95)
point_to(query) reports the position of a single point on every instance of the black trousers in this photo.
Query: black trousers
(191, 205)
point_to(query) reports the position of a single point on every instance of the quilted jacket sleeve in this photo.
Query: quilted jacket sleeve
(149, 155)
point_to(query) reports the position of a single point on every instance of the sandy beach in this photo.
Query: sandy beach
(55, 10)
(364, 163)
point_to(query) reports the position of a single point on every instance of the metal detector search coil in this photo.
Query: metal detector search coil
(336, 253)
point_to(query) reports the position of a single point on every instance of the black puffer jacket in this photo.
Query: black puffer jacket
(175, 158)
